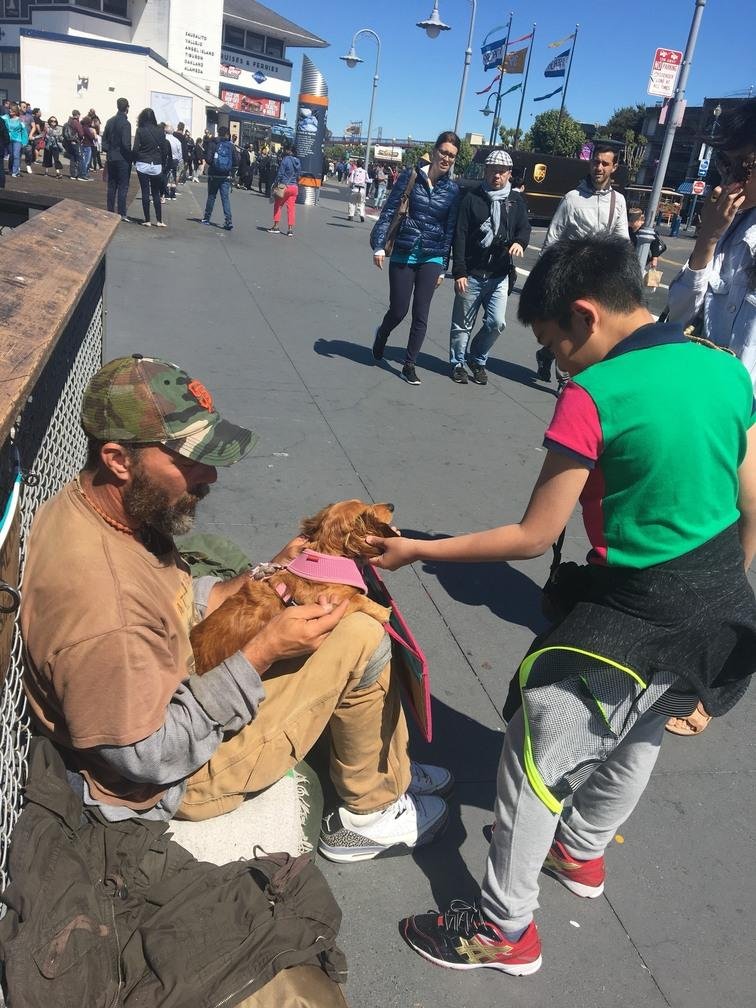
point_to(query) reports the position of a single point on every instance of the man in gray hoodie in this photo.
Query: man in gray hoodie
(594, 208)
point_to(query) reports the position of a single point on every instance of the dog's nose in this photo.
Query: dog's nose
(390, 507)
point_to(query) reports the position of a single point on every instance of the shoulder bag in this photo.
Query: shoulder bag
(401, 213)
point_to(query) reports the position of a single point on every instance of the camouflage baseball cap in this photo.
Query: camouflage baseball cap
(142, 400)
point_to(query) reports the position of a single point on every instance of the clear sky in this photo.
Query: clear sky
(420, 78)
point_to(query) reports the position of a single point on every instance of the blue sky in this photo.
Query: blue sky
(420, 78)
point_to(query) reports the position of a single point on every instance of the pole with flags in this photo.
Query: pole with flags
(524, 87)
(566, 84)
(501, 78)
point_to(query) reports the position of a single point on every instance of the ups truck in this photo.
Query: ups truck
(547, 178)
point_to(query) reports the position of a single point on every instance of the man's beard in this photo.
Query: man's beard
(145, 502)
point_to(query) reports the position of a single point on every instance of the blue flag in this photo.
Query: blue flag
(492, 54)
(549, 95)
(558, 66)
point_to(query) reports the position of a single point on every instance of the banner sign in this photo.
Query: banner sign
(586, 152)
(664, 71)
(492, 54)
(558, 66)
(353, 129)
(387, 153)
(268, 107)
(309, 136)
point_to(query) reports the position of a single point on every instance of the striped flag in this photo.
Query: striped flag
(558, 66)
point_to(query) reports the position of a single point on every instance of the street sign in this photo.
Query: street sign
(698, 188)
(664, 71)
(703, 167)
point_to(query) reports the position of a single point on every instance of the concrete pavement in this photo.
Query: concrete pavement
(280, 331)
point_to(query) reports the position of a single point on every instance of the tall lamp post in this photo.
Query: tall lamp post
(492, 111)
(352, 59)
(432, 27)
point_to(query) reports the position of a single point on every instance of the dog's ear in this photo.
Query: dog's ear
(365, 525)
(310, 527)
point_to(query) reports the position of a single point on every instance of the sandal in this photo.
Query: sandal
(693, 724)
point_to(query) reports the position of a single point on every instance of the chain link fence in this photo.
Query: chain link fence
(51, 446)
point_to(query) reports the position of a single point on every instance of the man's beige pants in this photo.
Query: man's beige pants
(370, 765)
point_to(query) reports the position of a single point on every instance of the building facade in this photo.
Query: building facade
(202, 62)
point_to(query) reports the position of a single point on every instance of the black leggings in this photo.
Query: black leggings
(151, 184)
(403, 280)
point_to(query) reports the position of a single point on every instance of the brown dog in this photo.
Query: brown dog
(339, 530)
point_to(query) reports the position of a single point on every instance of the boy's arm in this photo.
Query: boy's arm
(553, 500)
(747, 499)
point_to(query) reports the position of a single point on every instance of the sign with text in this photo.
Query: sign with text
(268, 107)
(664, 71)
(256, 73)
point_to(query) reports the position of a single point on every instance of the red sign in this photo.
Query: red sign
(664, 71)
(698, 188)
(248, 103)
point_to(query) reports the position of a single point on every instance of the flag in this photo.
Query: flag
(558, 66)
(560, 43)
(516, 86)
(487, 89)
(522, 38)
(549, 95)
(492, 53)
(514, 62)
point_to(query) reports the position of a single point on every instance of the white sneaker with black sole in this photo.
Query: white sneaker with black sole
(410, 822)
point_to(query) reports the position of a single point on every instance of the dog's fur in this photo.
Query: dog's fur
(338, 530)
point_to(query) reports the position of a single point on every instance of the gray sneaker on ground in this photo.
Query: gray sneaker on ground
(409, 822)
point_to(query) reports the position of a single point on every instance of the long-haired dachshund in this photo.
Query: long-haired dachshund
(339, 530)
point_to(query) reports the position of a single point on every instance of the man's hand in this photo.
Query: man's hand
(460, 285)
(298, 630)
(440, 280)
(378, 260)
(395, 553)
(291, 550)
(516, 250)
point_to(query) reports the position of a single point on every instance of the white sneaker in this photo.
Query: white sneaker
(28, 170)
(411, 821)
(430, 780)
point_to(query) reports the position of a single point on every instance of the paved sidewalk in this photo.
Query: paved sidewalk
(280, 331)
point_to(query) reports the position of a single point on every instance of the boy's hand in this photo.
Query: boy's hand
(298, 630)
(395, 553)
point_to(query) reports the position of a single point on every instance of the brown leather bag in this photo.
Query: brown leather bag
(401, 213)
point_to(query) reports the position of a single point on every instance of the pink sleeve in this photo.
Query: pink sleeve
(575, 428)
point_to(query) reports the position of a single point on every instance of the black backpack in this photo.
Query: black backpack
(69, 133)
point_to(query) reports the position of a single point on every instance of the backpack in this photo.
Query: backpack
(69, 134)
(223, 159)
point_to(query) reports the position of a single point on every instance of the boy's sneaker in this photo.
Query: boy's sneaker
(205, 221)
(584, 878)
(459, 375)
(228, 226)
(430, 780)
(462, 939)
(410, 375)
(479, 374)
(379, 345)
(544, 366)
(411, 821)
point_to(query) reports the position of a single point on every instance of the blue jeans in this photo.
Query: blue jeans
(380, 196)
(14, 157)
(215, 186)
(491, 294)
(84, 163)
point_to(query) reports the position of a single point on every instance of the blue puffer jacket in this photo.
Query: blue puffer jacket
(432, 216)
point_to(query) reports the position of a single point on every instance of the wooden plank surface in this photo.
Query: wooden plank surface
(46, 265)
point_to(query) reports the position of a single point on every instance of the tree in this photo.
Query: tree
(506, 135)
(542, 134)
(413, 154)
(628, 118)
(464, 157)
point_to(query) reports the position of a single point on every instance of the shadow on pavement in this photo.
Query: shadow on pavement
(517, 373)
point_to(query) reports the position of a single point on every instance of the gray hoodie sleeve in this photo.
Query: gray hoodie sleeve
(200, 712)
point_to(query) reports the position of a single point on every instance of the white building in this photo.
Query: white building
(196, 61)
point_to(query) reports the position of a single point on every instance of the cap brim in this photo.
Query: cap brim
(221, 444)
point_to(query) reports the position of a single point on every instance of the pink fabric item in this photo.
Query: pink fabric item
(331, 569)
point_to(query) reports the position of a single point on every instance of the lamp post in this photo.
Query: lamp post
(494, 112)
(432, 27)
(352, 60)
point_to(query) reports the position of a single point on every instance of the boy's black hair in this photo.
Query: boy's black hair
(737, 127)
(606, 148)
(606, 270)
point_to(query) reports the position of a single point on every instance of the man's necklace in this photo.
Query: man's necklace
(113, 522)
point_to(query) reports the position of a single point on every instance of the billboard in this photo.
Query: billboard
(393, 154)
(269, 107)
(256, 73)
(310, 129)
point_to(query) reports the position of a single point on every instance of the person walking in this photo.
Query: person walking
(221, 158)
(287, 178)
(492, 228)
(358, 182)
(53, 144)
(594, 208)
(19, 137)
(176, 164)
(150, 154)
(116, 143)
(380, 186)
(421, 246)
(198, 158)
(87, 146)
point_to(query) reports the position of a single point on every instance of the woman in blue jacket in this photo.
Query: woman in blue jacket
(420, 255)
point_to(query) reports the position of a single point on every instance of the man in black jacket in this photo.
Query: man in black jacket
(221, 158)
(492, 226)
(116, 142)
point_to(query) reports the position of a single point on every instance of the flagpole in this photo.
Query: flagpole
(501, 78)
(524, 87)
(564, 92)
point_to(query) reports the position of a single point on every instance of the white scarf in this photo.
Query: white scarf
(490, 227)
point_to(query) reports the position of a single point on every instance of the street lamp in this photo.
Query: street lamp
(433, 26)
(352, 59)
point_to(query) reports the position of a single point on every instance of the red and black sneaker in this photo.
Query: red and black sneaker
(584, 878)
(461, 939)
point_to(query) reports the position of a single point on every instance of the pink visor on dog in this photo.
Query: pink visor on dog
(314, 566)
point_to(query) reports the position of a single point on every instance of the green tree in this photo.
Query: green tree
(413, 154)
(506, 135)
(542, 136)
(629, 118)
(464, 157)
